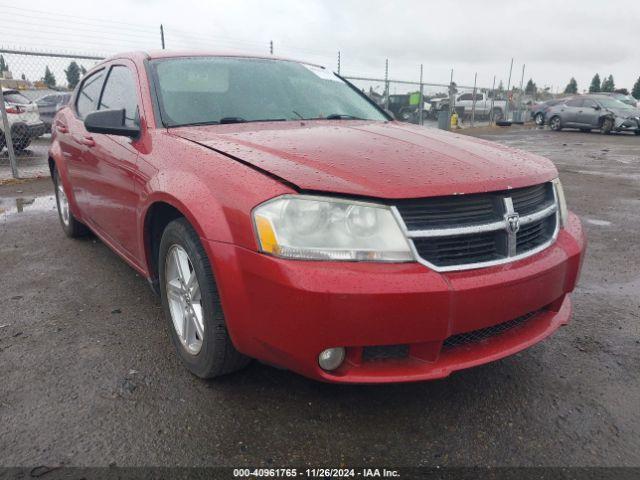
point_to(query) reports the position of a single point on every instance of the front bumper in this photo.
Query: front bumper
(286, 312)
(627, 124)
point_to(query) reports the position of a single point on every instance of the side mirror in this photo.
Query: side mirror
(110, 122)
(390, 113)
(596, 107)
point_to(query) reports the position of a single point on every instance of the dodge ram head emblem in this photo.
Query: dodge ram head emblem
(513, 222)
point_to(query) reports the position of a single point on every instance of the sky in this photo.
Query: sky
(554, 40)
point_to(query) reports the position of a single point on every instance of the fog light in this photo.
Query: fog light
(331, 358)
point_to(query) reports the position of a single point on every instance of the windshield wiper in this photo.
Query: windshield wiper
(242, 120)
(337, 116)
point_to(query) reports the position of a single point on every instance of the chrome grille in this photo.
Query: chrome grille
(477, 230)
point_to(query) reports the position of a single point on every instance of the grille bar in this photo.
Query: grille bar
(477, 230)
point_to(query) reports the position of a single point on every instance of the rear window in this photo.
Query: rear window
(16, 98)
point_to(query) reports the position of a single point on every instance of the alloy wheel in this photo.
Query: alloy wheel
(185, 300)
(63, 205)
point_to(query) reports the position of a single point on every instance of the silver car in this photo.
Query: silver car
(595, 112)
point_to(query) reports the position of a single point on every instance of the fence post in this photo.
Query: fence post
(338, 62)
(421, 104)
(162, 36)
(271, 47)
(493, 97)
(7, 137)
(386, 84)
(506, 104)
(473, 105)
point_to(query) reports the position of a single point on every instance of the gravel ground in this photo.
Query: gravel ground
(89, 376)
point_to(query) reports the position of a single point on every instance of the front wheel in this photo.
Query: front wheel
(607, 126)
(192, 305)
(555, 124)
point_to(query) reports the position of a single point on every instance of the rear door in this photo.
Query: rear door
(570, 112)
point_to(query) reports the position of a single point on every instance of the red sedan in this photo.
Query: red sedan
(282, 216)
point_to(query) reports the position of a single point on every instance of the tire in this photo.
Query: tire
(539, 119)
(585, 130)
(555, 123)
(606, 126)
(2, 141)
(498, 114)
(20, 136)
(72, 227)
(22, 144)
(637, 132)
(202, 342)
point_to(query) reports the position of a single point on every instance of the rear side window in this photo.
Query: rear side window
(120, 93)
(575, 102)
(589, 103)
(88, 94)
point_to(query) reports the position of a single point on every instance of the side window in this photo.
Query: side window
(588, 103)
(575, 102)
(88, 94)
(120, 92)
(466, 96)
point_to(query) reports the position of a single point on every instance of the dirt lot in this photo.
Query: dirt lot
(89, 376)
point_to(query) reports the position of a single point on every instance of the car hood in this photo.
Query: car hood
(374, 159)
(625, 112)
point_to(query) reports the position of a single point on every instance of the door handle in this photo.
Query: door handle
(88, 141)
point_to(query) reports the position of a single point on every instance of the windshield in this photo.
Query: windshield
(16, 98)
(196, 90)
(613, 103)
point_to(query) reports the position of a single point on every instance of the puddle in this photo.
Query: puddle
(595, 221)
(10, 207)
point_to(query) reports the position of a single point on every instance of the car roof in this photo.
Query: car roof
(160, 54)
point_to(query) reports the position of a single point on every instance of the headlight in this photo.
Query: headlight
(318, 228)
(562, 202)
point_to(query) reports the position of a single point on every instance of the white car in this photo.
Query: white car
(23, 118)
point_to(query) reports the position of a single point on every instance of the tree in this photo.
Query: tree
(608, 85)
(531, 88)
(49, 78)
(636, 89)
(572, 86)
(73, 74)
(595, 84)
(23, 77)
(3, 65)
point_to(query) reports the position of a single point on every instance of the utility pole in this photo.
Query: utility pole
(271, 47)
(162, 36)
(521, 92)
(338, 62)
(493, 96)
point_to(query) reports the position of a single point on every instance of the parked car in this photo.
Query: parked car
(49, 105)
(23, 118)
(590, 112)
(539, 111)
(628, 99)
(311, 231)
(464, 104)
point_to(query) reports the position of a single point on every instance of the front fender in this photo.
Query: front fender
(57, 161)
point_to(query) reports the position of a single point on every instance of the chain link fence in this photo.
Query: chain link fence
(34, 87)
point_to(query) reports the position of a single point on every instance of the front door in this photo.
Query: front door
(111, 163)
